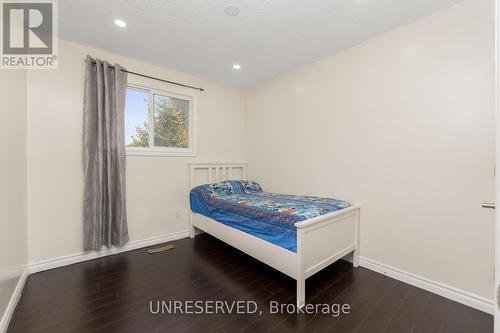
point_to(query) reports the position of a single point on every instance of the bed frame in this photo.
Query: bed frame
(320, 241)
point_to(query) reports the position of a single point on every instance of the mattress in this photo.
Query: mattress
(269, 216)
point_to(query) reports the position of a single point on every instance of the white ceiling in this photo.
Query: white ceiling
(267, 38)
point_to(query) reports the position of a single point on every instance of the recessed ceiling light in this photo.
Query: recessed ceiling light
(236, 66)
(232, 10)
(120, 23)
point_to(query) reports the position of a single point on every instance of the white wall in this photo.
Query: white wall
(157, 187)
(13, 246)
(403, 124)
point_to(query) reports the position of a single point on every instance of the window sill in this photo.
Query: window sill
(159, 153)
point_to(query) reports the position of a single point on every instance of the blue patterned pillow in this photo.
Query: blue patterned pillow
(251, 187)
(222, 188)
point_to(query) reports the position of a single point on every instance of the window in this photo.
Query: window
(158, 123)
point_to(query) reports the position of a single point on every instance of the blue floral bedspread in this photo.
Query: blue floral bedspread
(269, 216)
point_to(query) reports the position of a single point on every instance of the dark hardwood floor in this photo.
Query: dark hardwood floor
(113, 294)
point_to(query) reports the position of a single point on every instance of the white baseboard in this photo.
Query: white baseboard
(84, 256)
(14, 299)
(441, 289)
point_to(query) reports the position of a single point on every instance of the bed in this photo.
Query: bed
(297, 235)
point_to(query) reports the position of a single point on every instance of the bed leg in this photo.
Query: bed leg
(301, 293)
(301, 280)
(191, 226)
(355, 254)
(355, 258)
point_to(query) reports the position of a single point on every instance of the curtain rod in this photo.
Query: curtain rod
(156, 78)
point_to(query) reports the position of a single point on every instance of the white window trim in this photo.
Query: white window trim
(159, 89)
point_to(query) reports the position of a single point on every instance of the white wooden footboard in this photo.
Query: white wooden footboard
(320, 241)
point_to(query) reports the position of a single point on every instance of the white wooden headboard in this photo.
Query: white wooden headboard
(205, 173)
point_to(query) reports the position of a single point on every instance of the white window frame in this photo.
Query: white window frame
(159, 88)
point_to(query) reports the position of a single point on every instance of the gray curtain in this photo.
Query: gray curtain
(104, 209)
